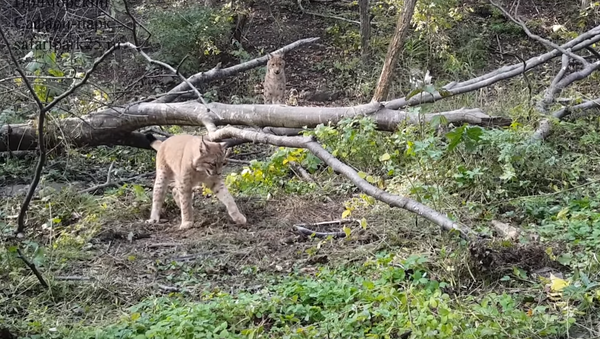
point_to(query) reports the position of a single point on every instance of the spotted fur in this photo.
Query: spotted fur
(188, 161)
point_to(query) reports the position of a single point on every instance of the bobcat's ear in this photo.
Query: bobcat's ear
(227, 153)
(269, 56)
(203, 145)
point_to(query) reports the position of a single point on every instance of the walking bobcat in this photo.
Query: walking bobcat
(274, 84)
(187, 161)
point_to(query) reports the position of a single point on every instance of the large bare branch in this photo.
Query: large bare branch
(114, 126)
(553, 89)
(217, 72)
(338, 166)
(584, 40)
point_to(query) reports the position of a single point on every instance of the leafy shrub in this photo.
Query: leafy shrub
(266, 177)
(197, 31)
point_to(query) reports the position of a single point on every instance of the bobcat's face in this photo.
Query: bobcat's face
(213, 159)
(276, 64)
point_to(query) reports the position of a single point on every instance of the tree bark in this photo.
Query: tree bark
(116, 126)
(365, 29)
(394, 49)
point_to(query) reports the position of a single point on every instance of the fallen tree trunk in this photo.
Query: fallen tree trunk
(116, 126)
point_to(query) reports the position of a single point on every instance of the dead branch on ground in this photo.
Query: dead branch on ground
(311, 144)
(332, 222)
(300, 171)
(72, 278)
(544, 129)
(304, 230)
(110, 182)
(311, 233)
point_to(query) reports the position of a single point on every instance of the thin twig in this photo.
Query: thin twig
(553, 89)
(72, 277)
(310, 233)
(109, 183)
(32, 268)
(168, 288)
(593, 51)
(539, 38)
(209, 125)
(332, 222)
(165, 244)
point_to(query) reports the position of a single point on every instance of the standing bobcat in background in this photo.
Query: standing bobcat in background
(187, 161)
(274, 85)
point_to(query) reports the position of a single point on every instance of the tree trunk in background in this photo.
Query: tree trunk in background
(365, 28)
(385, 79)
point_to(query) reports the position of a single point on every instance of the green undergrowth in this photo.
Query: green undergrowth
(383, 298)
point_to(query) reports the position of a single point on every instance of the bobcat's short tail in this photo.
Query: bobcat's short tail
(154, 143)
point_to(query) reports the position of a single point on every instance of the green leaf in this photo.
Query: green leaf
(39, 256)
(413, 93)
(455, 137)
(56, 72)
(384, 157)
(347, 230)
(474, 133)
(362, 174)
(33, 66)
(563, 213)
(430, 89)
(436, 121)
(371, 179)
(363, 223)
(368, 285)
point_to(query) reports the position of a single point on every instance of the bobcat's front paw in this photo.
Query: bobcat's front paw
(186, 224)
(239, 218)
(152, 221)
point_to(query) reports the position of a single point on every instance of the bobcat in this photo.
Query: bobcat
(187, 161)
(274, 85)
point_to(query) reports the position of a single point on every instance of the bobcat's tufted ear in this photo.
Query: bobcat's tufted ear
(269, 56)
(227, 153)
